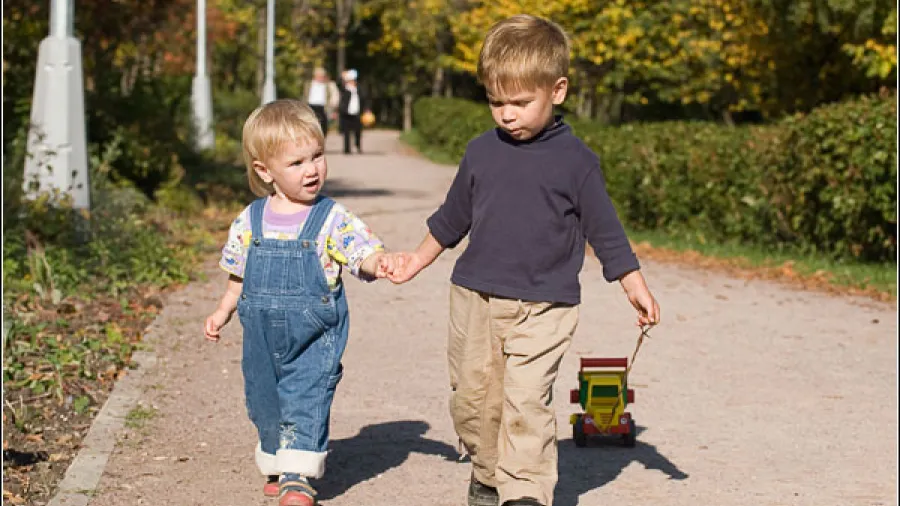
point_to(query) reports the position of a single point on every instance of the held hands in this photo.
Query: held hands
(640, 297)
(399, 267)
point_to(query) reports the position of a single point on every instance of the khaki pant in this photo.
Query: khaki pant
(504, 356)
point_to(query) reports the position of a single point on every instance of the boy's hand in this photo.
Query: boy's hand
(214, 324)
(640, 297)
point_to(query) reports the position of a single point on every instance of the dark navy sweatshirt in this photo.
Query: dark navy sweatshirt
(528, 207)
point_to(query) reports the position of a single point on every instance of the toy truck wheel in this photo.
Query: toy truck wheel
(578, 433)
(630, 439)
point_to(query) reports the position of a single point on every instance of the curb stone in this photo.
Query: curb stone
(83, 475)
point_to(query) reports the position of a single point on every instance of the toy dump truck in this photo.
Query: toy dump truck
(603, 393)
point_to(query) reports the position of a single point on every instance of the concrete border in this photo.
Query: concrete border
(83, 475)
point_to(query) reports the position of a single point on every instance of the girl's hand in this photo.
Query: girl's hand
(214, 324)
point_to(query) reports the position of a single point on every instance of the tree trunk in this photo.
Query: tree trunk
(617, 108)
(438, 83)
(407, 106)
(260, 47)
(341, 51)
(590, 106)
(601, 112)
(343, 12)
(580, 109)
(726, 117)
(299, 14)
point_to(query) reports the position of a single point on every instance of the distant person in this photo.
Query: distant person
(352, 104)
(284, 257)
(323, 96)
(528, 194)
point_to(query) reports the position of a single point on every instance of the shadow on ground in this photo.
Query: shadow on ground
(584, 469)
(339, 188)
(376, 449)
(330, 152)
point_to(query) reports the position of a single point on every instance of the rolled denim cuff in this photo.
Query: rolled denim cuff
(303, 462)
(266, 462)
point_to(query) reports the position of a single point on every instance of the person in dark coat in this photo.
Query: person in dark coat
(352, 104)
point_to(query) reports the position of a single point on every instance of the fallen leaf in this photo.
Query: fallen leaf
(15, 499)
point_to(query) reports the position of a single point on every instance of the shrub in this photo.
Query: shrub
(837, 182)
(822, 183)
(450, 123)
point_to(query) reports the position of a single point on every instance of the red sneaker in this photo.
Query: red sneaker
(270, 489)
(294, 498)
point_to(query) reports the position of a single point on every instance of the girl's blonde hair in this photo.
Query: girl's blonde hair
(523, 52)
(269, 128)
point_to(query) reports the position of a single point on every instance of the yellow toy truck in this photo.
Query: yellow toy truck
(603, 394)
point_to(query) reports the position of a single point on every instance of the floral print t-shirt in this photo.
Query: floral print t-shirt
(343, 241)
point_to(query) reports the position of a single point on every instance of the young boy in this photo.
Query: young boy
(284, 255)
(527, 193)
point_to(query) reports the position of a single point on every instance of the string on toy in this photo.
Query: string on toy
(644, 333)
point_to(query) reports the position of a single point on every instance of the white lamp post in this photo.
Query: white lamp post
(268, 93)
(57, 144)
(201, 95)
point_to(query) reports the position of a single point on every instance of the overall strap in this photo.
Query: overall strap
(256, 217)
(316, 219)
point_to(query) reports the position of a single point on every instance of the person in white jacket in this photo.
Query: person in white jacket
(322, 95)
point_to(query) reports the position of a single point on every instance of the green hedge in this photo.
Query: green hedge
(825, 182)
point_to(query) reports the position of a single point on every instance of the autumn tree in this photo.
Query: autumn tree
(414, 36)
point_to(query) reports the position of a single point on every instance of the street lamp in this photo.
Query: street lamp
(201, 95)
(57, 144)
(268, 91)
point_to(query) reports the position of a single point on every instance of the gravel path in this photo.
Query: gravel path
(749, 393)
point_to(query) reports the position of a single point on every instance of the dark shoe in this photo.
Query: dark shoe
(525, 501)
(481, 494)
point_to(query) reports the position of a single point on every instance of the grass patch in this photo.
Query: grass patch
(138, 417)
(879, 280)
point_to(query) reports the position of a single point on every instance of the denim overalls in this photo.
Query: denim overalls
(295, 332)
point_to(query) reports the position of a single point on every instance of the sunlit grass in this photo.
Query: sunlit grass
(880, 278)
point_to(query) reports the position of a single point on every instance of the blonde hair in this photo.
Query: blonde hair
(523, 52)
(269, 128)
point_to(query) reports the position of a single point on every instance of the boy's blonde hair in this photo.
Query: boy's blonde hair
(269, 128)
(523, 52)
